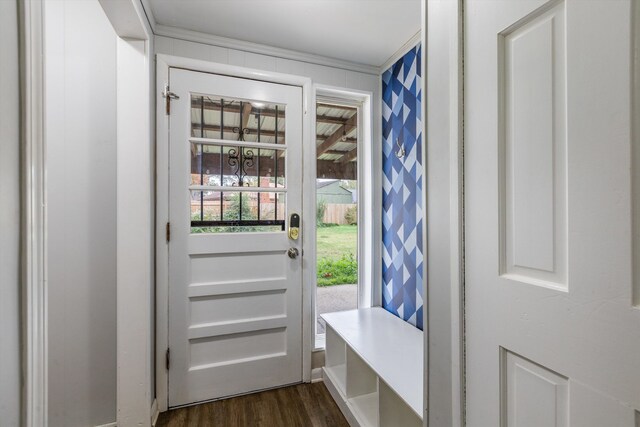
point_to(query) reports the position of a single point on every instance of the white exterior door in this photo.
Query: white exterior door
(235, 291)
(552, 332)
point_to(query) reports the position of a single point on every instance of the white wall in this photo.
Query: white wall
(318, 73)
(9, 216)
(80, 135)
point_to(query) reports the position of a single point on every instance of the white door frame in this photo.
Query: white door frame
(33, 216)
(134, 212)
(443, 43)
(163, 64)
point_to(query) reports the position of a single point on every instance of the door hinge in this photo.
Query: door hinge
(168, 232)
(168, 96)
(168, 359)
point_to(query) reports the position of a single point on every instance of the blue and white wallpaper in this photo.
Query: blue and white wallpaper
(402, 262)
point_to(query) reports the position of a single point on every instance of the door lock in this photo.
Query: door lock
(293, 253)
(294, 226)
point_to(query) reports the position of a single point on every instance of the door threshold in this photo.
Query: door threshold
(201, 402)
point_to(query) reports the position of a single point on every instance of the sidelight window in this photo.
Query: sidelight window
(337, 228)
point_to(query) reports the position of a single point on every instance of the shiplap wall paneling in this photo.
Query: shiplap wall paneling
(80, 82)
(319, 73)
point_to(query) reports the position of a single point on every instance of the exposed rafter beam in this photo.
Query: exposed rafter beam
(337, 135)
(337, 152)
(246, 114)
(265, 112)
(349, 156)
(331, 120)
(234, 108)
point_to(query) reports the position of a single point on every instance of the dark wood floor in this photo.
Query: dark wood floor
(302, 405)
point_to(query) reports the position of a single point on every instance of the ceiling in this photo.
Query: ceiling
(362, 31)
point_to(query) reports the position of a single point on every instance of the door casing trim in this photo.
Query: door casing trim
(443, 52)
(163, 64)
(33, 254)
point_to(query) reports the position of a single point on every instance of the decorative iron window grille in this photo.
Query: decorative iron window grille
(240, 162)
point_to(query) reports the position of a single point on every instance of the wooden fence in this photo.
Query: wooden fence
(335, 213)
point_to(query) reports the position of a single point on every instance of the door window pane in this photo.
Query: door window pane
(226, 153)
(234, 211)
(237, 119)
(229, 165)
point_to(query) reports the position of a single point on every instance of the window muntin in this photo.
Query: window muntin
(237, 145)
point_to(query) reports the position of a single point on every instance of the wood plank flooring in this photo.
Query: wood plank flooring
(303, 405)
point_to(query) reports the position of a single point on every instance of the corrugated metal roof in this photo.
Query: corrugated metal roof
(261, 123)
(331, 120)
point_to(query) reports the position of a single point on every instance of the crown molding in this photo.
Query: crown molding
(198, 37)
(146, 8)
(128, 19)
(406, 47)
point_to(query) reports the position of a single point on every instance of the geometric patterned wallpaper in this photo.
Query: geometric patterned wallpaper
(402, 204)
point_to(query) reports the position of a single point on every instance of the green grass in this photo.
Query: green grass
(335, 241)
(336, 252)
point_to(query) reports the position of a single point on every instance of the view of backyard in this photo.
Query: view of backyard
(336, 209)
(337, 269)
(337, 249)
(337, 254)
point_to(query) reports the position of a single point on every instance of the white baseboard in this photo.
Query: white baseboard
(155, 412)
(316, 375)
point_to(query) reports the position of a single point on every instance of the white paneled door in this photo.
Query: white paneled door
(235, 276)
(552, 332)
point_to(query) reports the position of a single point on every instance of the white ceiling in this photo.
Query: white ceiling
(362, 31)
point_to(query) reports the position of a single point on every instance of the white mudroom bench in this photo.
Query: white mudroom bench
(374, 367)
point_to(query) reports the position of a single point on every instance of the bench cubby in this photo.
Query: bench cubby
(374, 367)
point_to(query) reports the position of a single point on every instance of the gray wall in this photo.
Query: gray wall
(9, 216)
(80, 81)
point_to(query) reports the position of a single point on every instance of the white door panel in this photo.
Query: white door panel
(552, 335)
(235, 297)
